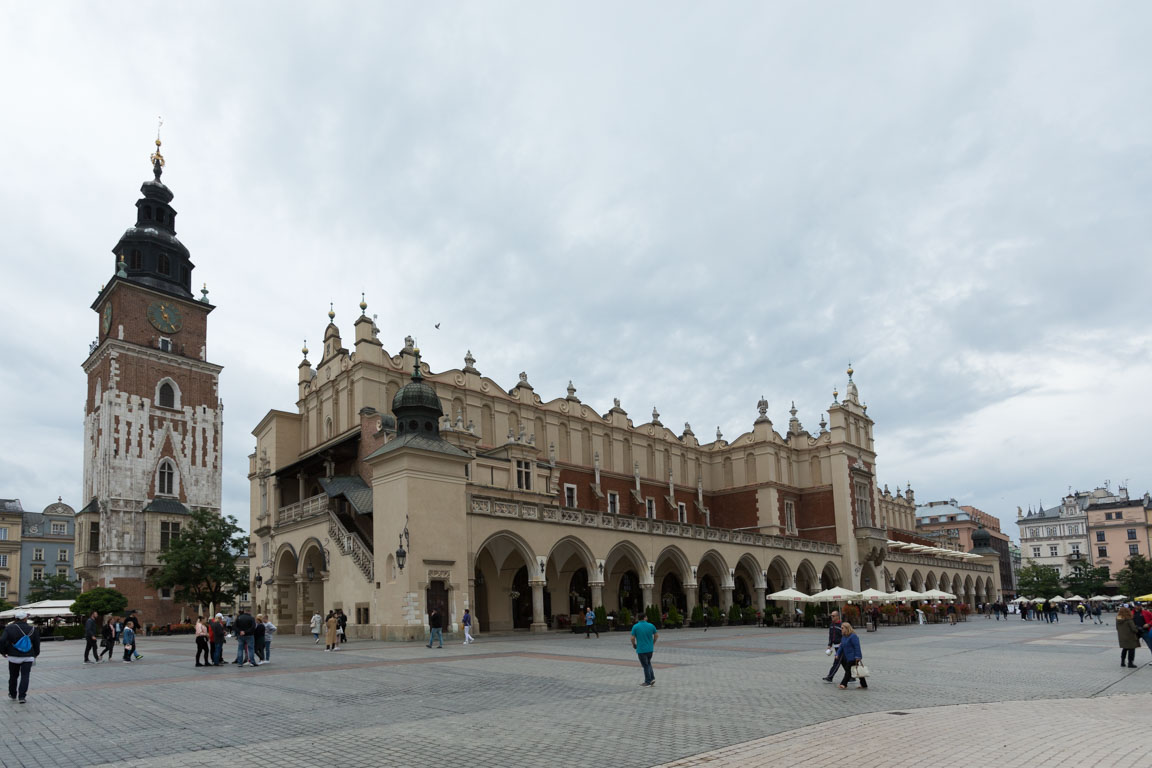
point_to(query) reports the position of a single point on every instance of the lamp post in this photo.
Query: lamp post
(401, 553)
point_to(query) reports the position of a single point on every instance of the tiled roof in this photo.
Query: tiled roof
(353, 488)
(166, 506)
(422, 443)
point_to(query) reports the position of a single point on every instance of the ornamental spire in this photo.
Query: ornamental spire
(157, 158)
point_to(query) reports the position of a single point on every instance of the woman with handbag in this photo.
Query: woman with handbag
(851, 658)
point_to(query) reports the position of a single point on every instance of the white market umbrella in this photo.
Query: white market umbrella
(833, 595)
(1118, 598)
(788, 594)
(1019, 600)
(1098, 599)
(1058, 599)
(1076, 598)
(908, 594)
(938, 594)
(875, 594)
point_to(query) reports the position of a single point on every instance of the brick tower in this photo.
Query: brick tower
(152, 415)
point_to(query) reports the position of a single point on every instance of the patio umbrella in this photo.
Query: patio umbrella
(1118, 598)
(908, 594)
(1098, 599)
(875, 594)
(787, 594)
(1058, 599)
(835, 594)
(938, 594)
(1144, 598)
(1075, 598)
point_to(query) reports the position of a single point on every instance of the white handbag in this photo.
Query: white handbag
(859, 670)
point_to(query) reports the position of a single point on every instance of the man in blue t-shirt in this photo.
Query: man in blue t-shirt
(644, 641)
(590, 623)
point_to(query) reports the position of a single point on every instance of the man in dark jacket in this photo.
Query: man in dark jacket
(91, 633)
(245, 626)
(20, 644)
(435, 628)
(216, 632)
(834, 638)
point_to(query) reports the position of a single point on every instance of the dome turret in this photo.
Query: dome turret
(417, 406)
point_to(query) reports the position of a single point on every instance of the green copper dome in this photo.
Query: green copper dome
(417, 405)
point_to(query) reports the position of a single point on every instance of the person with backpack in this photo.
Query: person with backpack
(20, 644)
(129, 641)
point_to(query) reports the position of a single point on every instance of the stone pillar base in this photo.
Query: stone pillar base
(538, 627)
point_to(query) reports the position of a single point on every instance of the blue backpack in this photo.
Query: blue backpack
(24, 644)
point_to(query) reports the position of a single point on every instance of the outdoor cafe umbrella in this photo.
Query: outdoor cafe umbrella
(1076, 598)
(1058, 599)
(788, 594)
(939, 594)
(875, 594)
(1118, 598)
(1143, 598)
(1099, 599)
(834, 595)
(908, 594)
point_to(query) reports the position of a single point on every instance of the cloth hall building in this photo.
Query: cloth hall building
(391, 490)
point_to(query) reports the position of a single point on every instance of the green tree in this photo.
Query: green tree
(103, 600)
(6, 606)
(1086, 580)
(1136, 577)
(199, 565)
(55, 587)
(1037, 580)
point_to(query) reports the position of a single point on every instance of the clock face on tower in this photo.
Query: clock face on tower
(106, 319)
(165, 316)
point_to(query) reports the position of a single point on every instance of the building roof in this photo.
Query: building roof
(166, 506)
(421, 442)
(353, 488)
(37, 524)
(10, 505)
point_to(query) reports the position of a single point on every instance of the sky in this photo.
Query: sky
(683, 205)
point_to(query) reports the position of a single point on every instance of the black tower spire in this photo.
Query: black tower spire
(149, 252)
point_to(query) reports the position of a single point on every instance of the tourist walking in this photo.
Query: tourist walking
(1096, 617)
(131, 621)
(269, 631)
(202, 642)
(331, 638)
(589, 623)
(107, 638)
(315, 625)
(91, 633)
(850, 654)
(467, 622)
(129, 640)
(1128, 635)
(435, 628)
(20, 644)
(644, 636)
(217, 635)
(835, 636)
(342, 621)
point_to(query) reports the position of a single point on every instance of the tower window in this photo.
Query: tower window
(167, 396)
(168, 532)
(160, 215)
(148, 213)
(166, 477)
(167, 391)
(94, 536)
(162, 265)
(165, 345)
(136, 259)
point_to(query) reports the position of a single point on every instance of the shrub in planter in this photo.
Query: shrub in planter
(652, 613)
(623, 619)
(601, 618)
(71, 632)
(851, 614)
(714, 616)
(735, 614)
(697, 615)
(675, 618)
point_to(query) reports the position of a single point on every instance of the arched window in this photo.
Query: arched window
(167, 393)
(166, 479)
(160, 215)
(162, 265)
(136, 259)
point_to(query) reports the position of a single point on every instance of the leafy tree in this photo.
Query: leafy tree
(103, 600)
(6, 606)
(1136, 577)
(1037, 580)
(1086, 580)
(55, 587)
(199, 565)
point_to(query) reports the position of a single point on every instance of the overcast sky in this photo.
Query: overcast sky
(678, 204)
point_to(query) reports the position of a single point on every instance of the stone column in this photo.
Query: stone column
(690, 599)
(647, 591)
(597, 593)
(725, 599)
(301, 621)
(538, 623)
(300, 479)
(761, 603)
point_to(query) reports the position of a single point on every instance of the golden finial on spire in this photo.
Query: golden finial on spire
(157, 158)
(363, 303)
(331, 312)
(304, 349)
(850, 371)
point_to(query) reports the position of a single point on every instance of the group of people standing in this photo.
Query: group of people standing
(253, 635)
(114, 630)
(335, 628)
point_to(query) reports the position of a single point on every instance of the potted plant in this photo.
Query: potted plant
(735, 614)
(601, 618)
(714, 616)
(624, 619)
(652, 613)
(675, 619)
(698, 615)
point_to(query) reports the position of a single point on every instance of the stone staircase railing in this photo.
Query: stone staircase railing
(351, 545)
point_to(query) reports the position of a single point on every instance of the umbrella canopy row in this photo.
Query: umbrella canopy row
(840, 594)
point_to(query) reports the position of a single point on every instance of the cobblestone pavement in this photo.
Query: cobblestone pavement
(524, 699)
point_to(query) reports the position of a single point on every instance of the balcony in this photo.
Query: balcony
(303, 510)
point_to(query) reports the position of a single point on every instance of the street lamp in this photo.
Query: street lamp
(310, 572)
(401, 554)
(259, 580)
